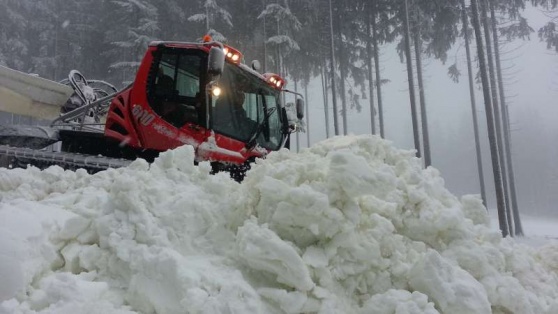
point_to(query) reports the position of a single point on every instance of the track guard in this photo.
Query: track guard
(35, 137)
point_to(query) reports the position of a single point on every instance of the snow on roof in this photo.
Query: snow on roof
(351, 225)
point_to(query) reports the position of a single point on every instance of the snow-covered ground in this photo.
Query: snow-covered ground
(538, 231)
(351, 225)
(540, 227)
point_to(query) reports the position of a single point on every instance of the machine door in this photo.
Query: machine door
(175, 91)
(175, 99)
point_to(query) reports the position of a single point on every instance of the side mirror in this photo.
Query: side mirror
(300, 108)
(216, 61)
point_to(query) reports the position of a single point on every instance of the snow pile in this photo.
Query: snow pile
(351, 225)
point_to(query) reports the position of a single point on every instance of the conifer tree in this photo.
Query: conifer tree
(282, 41)
(129, 41)
(14, 43)
(212, 15)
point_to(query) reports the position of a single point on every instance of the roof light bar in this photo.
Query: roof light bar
(275, 80)
(232, 54)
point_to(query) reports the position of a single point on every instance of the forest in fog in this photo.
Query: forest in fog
(341, 54)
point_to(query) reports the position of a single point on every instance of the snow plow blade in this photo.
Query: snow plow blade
(31, 96)
(35, 137)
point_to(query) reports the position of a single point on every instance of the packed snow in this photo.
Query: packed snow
(351, 225)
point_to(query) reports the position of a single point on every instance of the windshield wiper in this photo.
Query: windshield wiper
(259, 128)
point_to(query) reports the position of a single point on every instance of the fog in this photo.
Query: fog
(530, 73)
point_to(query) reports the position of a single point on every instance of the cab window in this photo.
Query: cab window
(176, 95)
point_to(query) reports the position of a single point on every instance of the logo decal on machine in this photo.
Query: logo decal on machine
(164, 130)
(144, 117)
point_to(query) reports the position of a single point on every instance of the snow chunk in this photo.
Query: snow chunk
(399, 301)
(261, 249)
(452, 288)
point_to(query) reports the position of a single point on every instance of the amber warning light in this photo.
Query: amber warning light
(207, 39)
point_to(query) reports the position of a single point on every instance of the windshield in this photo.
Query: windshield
(246, 105)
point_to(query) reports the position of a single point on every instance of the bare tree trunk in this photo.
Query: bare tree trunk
(297, 133)
(307, 116)
(377, 67)
(207, 18)
(473, 103)
(497, 117)
(265, 40)
(407, 38)
(370, 71)
(518, 228)
(55, 52)
(326, 100)
(490, 122)
(279, 56)
(343, 72)
(332, 63)
(515, 209)
(423, 113)
(343, 92)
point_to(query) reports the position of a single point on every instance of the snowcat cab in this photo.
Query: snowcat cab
(199, 94)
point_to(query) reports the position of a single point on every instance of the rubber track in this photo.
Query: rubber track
(62, 159)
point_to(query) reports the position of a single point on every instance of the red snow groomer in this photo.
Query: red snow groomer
(198, 94)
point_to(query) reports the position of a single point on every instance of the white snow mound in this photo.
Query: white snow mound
(351, 225)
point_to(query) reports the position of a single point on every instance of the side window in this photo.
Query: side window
(164, 83)
(274, 134)
(188, 76)
(253, 106)
(176, 91)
